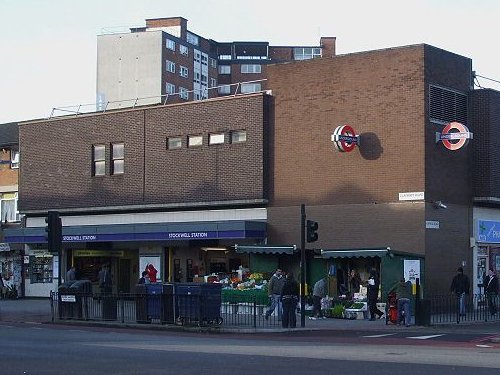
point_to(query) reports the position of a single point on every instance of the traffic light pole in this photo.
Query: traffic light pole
(302, 265)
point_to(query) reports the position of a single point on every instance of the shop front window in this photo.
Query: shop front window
(41, 269)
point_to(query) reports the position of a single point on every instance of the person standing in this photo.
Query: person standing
(403, 290)
(460, 286)
(319, 292)
(152, 271)
(491, 290)
(289, 299)
(144, 279)
(372, 295)
(274, 288)
(354, 281)
(105, 282)
(71, 274)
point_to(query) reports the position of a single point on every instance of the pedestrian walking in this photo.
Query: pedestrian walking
(289, 299)
(491, 290)
(319, 292)
(105, 281)
(460, 286)
(372, 295)
(274, 288)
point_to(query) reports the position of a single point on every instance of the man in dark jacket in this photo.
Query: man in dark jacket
(372, 288)
(460, 286)
(274, 288)
(404, 295)
(491, 290)
(289, 299)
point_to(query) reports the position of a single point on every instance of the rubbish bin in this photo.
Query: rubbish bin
(82, 290)
(65, 300)
(199, 302)
(154, 300)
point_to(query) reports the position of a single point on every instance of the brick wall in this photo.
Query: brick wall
(57, 165)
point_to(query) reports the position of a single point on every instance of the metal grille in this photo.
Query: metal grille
(447, 105)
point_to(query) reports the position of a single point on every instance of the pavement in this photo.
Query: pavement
(38, 311)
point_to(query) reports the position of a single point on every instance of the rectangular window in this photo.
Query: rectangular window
(171, 44)
(174, 143)
(197, 56)
(183, 93)
(117, 158)
(216, 138)
(224, 89)
(213, 82)
(195, 140)
(170, 88)
(306, 53)
(14, 159)
(251, 68)
(213, 63)
(191, 38)
(170, 66)
(247, 88)
(184, 50)
(238, 136)
(224, 69)
(8, 208)
(98, 160)
(183, 71)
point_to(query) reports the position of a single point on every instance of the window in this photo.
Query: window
(213, 63)
(247, 88)
(216, 138)
(306, 53)
(174, 143)
(204, 59)
(213, 82)
(251, 68)
(8, 208)
(183, 93)
(238, 136)
(183, 71)
(191, 38)
(98, 160)
(170, 44)
(183, 50)
(117, 158)
(170, 66)
(197, 56)
(195, 140)
(170, 88)
(225, 89)
(446, 105)
(224, 69)
(41, 269)
(14, 159)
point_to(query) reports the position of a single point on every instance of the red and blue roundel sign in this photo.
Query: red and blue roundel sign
(344, 138)
(454, 136)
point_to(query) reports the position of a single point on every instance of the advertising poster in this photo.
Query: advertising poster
(152, 264)
(412, 270)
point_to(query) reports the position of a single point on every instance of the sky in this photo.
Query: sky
(48, 47)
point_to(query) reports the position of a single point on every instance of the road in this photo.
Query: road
(49, 349)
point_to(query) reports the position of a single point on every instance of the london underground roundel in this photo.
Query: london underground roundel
(344, 138)
(454, 136)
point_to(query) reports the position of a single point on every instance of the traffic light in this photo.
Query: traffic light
(312, 227)
(54, 231)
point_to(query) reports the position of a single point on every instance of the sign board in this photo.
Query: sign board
(68, 298)
(488, 231)
(145, 260)
(412, 270)
(431, 224)
(454, 136)
(412, 196)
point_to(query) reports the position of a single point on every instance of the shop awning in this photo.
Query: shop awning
(264, 249)
(356, 253)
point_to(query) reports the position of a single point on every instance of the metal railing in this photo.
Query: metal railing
(478, 308)
(128, 308)
(204, 94)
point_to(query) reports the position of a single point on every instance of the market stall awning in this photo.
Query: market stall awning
(356, 253)
(264, 249)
